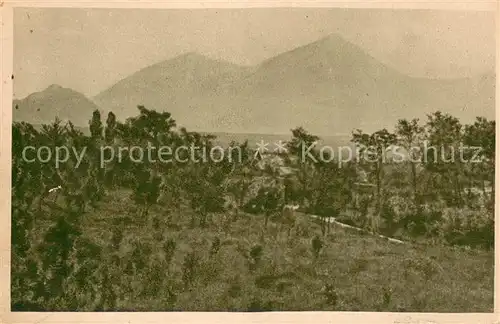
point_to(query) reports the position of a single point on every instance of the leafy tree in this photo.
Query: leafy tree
(53, 134)
(300, 143)
(95, 125)
(146, 190)
(152, 125)
(373, 148)
(300, 138)
(206, 191)
(240, 176)
(410, 135)
(442, 156)
(110, 131)
(331, 190)
(480, 136)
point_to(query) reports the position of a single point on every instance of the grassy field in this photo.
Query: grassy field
(219, 267)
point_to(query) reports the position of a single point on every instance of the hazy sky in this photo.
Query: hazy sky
(90, 49)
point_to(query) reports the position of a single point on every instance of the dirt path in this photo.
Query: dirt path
(334, 221)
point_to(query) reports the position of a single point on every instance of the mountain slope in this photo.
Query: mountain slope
(330, 87)
(42, 107)
(169, 85)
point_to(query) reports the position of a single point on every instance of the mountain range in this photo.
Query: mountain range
(55, 101)
(329, 87)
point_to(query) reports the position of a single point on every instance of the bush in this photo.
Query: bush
(189, 267)
(473, 228)
(255, 254)
(316, 245)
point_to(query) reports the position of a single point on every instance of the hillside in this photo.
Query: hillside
(223, 236)
(366, 273)
(330, 86)
(170, 85)
(55, 101)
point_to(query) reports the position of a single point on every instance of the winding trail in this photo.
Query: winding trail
(334, 221)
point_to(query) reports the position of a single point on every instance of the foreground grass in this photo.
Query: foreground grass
(353, 272)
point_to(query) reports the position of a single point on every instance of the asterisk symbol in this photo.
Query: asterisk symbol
(261, 148)
(280, 147)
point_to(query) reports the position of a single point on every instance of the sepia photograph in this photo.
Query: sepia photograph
(252, 160)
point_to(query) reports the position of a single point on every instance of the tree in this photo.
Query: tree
(373, 148)
(331, 190)
(300, 143)
(300, 138)
(442, 155)
(206, 191)
(95, 125)
(149, 129)
(110, 131)
(152, 125)
(110, 135)
(410, 135)
(147, 188)
(51, 136)
(239, 174)
(85, 183)
(480, 138)
(26, 177)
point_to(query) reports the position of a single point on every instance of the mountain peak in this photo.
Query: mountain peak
(185, 59)
(332, 46)
(335, 42)
(192, 56)
(53, 87)
(332, 38)
(65, 103)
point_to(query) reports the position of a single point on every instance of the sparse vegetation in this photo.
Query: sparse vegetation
(160, 236)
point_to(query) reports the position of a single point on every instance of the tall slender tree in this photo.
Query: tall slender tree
(410, 136)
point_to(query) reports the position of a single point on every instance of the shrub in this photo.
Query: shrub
(317, 245)
(216, 244)
(189, 267)
(169, 248)
(330, 294)
(256, 253)
(474, 228)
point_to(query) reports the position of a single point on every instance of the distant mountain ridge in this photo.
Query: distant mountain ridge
(169, 83)
(329, 86)
(42, 107)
